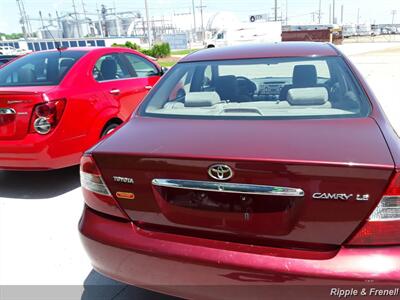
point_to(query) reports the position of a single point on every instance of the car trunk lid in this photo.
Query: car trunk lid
(339, 169)
(16, 106)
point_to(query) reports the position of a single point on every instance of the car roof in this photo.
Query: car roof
(90, 49)
(264, 50)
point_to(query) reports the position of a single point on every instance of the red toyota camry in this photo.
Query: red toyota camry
(56, 104)
(245, 168)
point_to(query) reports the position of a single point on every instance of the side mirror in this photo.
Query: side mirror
(164, 70)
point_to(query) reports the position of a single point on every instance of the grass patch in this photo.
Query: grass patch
(167, 64)
(183, 52)
(168, 61)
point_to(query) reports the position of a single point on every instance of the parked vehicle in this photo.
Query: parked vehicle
(349, 30)
(245, 168)
(9, 50)
(246, 33)
(363, 30)
(6, 58)
(56, 104)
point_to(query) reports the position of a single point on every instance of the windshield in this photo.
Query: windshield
(42, 68)
(321, 87)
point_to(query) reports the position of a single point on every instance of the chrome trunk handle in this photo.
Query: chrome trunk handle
(227, 187)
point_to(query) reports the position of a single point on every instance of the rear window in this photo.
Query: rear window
(43, 68)
(270, 88)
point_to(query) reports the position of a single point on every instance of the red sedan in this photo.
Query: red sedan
(56, 104)
(258, 166)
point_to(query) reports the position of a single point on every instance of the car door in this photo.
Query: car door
(125, 79)
(114, 80)
(145, 76)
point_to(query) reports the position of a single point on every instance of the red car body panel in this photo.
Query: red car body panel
(89, 106)
(279, 160)
(160, 244)
(194, 268)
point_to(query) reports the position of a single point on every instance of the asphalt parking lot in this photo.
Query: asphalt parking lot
(39, 212)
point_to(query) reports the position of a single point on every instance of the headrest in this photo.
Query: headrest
(66, 63)
(226, 87)
(108, 68)
(308, 96)
(200, 99)
(304, 75)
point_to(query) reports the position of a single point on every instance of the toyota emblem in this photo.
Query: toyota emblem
(220, 172)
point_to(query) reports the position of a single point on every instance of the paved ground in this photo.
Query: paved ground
(39, 212)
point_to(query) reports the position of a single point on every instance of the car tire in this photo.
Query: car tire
(108, 129)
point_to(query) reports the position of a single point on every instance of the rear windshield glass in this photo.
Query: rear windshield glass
(42, 68)
(321, 87)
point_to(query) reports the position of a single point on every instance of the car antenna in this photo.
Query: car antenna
(59, 47)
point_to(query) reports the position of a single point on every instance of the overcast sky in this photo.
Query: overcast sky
(299, 11)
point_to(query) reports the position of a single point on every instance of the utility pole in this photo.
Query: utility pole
(85, 16)
(78, 25)
(194, 21)
(319, 12)
(330, 13)
(41, 18)
(116, 20)
(60, 27)
(286, 12)
(148, 24)
(202, 19)
(333, 12)
(276, 11)
(393, 12)
(99, 21)
(23, 22)
(26, 25)
(358, 16)
(342, 14)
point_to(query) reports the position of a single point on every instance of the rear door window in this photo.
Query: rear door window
(43, 68)
(140, 66)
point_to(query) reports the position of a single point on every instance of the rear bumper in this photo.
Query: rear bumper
(36, 152)
(190, 269)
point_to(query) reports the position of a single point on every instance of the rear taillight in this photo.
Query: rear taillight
(383, 225)
(96, 194)
(46, 116)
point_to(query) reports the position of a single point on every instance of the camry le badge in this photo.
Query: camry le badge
(220, 172)
(334, 196)
(120, 179)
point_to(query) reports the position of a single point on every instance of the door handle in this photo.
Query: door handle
(148, 87)
(115, 91)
